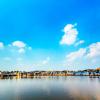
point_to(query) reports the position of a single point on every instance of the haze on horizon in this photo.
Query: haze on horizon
(49, 34)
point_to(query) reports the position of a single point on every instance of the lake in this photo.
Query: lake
(50, 88)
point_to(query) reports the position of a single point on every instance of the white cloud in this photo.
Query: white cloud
(19, 44)
(79, 42)
(76, 55)
(1, 45)
(70, 35)
(90, 53)
(94, 50)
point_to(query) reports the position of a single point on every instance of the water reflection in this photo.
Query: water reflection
(50, 88)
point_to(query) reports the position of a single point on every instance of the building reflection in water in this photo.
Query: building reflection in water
(50, 88)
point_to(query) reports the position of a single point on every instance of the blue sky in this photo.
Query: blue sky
(49, 34)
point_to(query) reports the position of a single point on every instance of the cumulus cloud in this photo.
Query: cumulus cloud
(70, 35)
(92, 52)
(76, 55)
(16, 46)
(1, 45)
(19, 44)
(79, 42)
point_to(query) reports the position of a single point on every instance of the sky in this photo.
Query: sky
(49, 34)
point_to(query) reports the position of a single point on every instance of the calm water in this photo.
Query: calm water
(50, 88)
